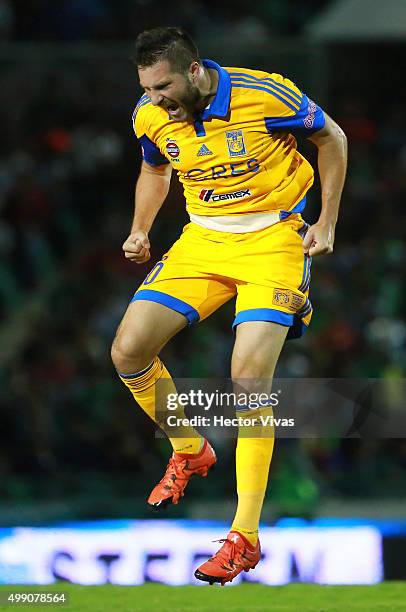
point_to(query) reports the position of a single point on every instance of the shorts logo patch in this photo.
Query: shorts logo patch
(172, 148)
(297, 301)
(235, 143)
(286, 297)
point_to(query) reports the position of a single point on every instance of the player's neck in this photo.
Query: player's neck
(208, 87)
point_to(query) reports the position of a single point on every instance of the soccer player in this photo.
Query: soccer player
(230, 135)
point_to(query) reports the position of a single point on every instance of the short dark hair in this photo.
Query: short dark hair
(171, 44)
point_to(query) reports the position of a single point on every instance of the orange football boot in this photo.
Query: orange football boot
(236, 555)
(178, 472)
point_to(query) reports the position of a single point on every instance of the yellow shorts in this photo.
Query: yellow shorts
(267, 271)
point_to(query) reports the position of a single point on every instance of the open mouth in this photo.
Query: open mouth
(175, 113)
(174, 110)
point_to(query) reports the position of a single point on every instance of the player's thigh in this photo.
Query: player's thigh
(187, 278)
(145, 328)
(257, 347)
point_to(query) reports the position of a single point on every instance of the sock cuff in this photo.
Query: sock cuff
(250, 535)
(145, 378)
(136, 374)
(190, 443)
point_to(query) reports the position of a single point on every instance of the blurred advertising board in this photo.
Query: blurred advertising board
(168, 551)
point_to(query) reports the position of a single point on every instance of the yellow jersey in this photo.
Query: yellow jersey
(240, 155)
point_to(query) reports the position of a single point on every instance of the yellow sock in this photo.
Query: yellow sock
(253, 457)
(143, 386)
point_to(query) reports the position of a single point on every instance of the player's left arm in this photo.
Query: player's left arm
(331, 143)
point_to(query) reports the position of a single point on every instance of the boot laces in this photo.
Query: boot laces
(230, 554)
(175, 477)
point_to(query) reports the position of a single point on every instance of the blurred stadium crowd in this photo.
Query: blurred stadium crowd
(68, 162)
(74, 20)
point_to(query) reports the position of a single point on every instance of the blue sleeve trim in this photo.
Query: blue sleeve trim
(308, 119)
(171, 302)
(150, 152)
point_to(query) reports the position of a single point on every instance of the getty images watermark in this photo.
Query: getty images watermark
(207, 400)
(251, 409)
(284, 407)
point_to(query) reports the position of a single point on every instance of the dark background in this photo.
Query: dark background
(73, 443)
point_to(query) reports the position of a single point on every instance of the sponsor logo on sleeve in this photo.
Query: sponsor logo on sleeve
(311, 113)
(172, 148)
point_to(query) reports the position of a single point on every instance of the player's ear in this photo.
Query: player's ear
(194, 70)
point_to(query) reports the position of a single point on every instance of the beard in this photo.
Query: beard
(191, 98)
(187, 104)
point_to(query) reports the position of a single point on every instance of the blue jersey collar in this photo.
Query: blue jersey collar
(221, 103)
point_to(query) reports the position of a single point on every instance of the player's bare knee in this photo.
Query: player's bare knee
(130, 355)
(251, 377)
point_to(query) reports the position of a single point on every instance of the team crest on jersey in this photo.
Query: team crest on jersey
(235, 143)
(172, 148)
(285, 297)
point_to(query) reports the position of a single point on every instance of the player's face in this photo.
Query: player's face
(172, 91)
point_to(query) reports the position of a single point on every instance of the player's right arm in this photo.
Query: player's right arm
(150, 193)
(152, 185)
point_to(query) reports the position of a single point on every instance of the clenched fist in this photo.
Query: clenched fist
(319, 240)
(136, 247)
